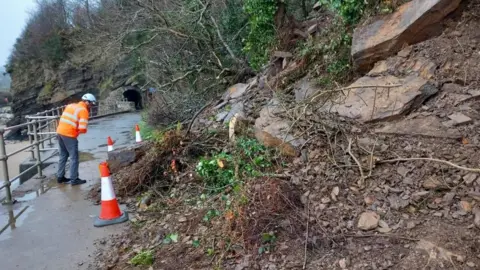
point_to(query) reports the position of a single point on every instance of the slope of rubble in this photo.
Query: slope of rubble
(380, 174)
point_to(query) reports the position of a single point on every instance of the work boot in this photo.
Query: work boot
(77, 182)
(62, 180)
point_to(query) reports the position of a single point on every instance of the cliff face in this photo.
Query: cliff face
(45, 88)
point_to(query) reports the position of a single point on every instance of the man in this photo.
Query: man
(73, 122)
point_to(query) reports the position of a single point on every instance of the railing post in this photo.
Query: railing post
(50, 129)
(30, 137)
(4, 167)
(37, 148)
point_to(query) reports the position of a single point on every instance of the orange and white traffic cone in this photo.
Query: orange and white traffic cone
(138, 136)
(110, 212)
(109, 144)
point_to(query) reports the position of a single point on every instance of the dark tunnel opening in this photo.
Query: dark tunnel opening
(134, 96)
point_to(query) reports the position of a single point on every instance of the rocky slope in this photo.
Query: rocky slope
(39, 88)
(381, 174)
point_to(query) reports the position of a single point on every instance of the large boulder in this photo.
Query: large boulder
(367, 103)
(414, 22)
(273, 131)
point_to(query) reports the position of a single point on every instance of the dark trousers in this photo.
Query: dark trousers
(68, 147)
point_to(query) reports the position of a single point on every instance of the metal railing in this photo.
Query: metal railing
(41, 128)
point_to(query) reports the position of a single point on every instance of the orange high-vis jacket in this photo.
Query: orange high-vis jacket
(74, 120)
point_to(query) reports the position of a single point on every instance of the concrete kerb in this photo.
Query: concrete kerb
(97, 222)
(28, 163)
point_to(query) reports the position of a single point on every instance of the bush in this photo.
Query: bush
(169, 108)
(261, 36)
(219, 171)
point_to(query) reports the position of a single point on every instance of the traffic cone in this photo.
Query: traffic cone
(110, 212)
(109, 144)
(138, 136)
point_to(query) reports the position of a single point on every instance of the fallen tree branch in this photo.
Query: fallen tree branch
(431, 159)
(361, 182)
(306, 235)
(195, 117)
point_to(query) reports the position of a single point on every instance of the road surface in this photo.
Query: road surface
(55, 229)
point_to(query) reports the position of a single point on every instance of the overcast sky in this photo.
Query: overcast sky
(13, 17)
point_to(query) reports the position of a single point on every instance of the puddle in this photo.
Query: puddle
(16, 217)
(35, 194)
(85, 156)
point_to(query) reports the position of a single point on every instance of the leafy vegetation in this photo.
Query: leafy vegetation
(144, 258)
(261, 36)
(223, 170)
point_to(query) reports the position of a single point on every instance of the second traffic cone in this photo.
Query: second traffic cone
(110, 212)
(109, 144)
(138, 136)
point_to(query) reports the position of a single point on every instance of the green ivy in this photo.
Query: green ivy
(350, 10)
(261, 36)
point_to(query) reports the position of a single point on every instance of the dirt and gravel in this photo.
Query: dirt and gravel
(353, 198)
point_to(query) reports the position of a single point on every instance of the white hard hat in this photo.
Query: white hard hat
(89, 97)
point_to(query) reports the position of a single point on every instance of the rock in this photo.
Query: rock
(460, 118)
(413, 22)
(470, 178)
(420, 66)
(402, 170)
(429, 126)
(396, 202)
(369, 200)
(368, 221)
(236, 91)
(448, 198)
(405, 52)
(312, 29)
(304, 89)
(475, 195)
(237, 109)
(182, 219)
(432, 183)
(369, 104)
(126, 156)
(384, 230)
(466, 206)
(271, 130)
(411, 225)
(221, 116)
(476, 220)
(343, 263)
(471, 264)
(281, 54)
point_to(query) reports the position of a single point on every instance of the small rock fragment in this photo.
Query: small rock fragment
(343, 263)
(466, 206)
(460, 118)
(384, 230)
(432, 183)
(470, 178)
(369, 200)
(411, 225)
(383, 224)
(476, 220)
(182, 219)
(471, 264)
(448, 198)
(368, 221)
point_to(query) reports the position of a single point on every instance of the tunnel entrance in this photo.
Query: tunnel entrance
(133, 95)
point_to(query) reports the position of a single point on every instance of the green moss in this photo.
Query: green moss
(47, 91)
(105, 87)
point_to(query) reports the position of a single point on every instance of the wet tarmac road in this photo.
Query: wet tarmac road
(54, 224)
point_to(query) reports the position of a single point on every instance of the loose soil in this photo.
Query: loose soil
(428, 210)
